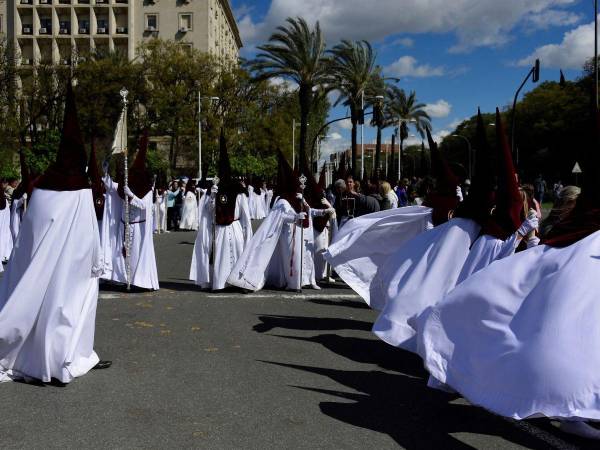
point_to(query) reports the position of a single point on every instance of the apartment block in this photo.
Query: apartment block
(52, 31)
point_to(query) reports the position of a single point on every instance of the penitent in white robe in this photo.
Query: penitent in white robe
(143, 260)
(109, 227)
(520, 337)
(160, 214)
(49, 293)
(273, 257)
(361, 248)
(17, 211)
(230, 241)
(418, 276)
(189, 212)
(256, 204)
(6, 241)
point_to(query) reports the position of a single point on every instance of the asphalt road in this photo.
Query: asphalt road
(270, 370)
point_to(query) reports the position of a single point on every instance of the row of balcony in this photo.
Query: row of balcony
(71, 2)
(65, 28)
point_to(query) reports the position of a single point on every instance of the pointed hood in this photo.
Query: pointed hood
(509, 202)
(68, 172)
(140, 180)
(481, 199)
(26, 180)
(224, 164)
(563, 81)
(424, 169)
(98, 188)
(285, 175)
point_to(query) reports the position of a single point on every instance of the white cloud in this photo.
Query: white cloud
(345, 124)
(404, 42)
(553, 18)
(576, 47)
(475, 23)
(285, 85)
(439, 109)
(407, 66)
(455, 123)
(335, 136)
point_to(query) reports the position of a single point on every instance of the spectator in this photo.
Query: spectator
(539, 185)
(401, 193)
(388, 195)
(558, 186)
(173, 211)
(531, 200)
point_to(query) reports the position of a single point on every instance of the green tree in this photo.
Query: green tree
(297, 53)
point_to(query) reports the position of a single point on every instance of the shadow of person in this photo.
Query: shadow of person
(269, 323)
(402, 407)
(369, 351)
(358, 304)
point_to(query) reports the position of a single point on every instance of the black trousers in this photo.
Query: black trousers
(173, 218)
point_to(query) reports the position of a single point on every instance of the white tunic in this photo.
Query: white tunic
(109, 227)
(273, 257)
(256, 203)
(189, 212)
(521, 337)
(160, 213)
(143, 261)
(230, 241)
(49, 292)
(17, 211)
(419, 275)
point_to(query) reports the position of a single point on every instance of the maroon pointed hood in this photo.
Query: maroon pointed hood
(98, 188)
(26, 184)
(140, 180)
(68, 172)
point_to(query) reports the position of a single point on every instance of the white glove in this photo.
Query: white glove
(300, 216)
(128, 192)
(532, 242)
(528, 226)
(299, 196)
(25, 196)
(214, 190)
(459, 193)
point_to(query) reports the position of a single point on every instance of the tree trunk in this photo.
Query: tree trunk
(400, 155)
(376, 168)
(354, 120)
(305, 94)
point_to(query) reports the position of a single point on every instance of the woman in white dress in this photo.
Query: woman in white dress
(189, 212)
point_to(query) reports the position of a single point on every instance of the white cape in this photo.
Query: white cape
(49, 293)
(520, 337)
(419, 275)
(109, 227)
(17, 211)
(230, 242)
(363, 245)
(256, 204)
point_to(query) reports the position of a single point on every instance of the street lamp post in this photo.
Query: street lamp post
(535, 73)
(200, 131)
(469, 149)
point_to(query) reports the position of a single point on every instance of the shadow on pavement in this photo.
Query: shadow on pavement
(415, 416)
(358, 304)
(309, 323)
(369, 351)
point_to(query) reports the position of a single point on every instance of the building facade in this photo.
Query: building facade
(52, 31)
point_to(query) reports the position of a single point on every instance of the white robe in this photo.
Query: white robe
(268, 196)
(143, 261)
(160, 214)
(189, 212)
(361, 248)
(419, 275)
(109, 227)
(230, 241)
(6, 241)
(520, 337)
(273, 255)
(256, 204)
(49, 293)
(321, 240)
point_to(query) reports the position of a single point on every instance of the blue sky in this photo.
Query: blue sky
(457, 55)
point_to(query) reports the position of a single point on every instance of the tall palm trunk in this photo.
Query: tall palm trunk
(400, 155)
(305, 93)
(354, 120)
(377, 154)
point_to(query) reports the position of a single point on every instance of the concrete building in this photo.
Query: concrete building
(51, 31)
(2, 19)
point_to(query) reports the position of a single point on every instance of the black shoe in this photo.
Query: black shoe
(102, 365)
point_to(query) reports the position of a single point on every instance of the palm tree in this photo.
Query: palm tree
(405, 110)
(353, 73)
(295, 52)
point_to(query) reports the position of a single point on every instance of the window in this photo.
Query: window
(151, 22)
(185, 22)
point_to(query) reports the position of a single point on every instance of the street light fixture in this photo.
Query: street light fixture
(200, 98)
(469, 148)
